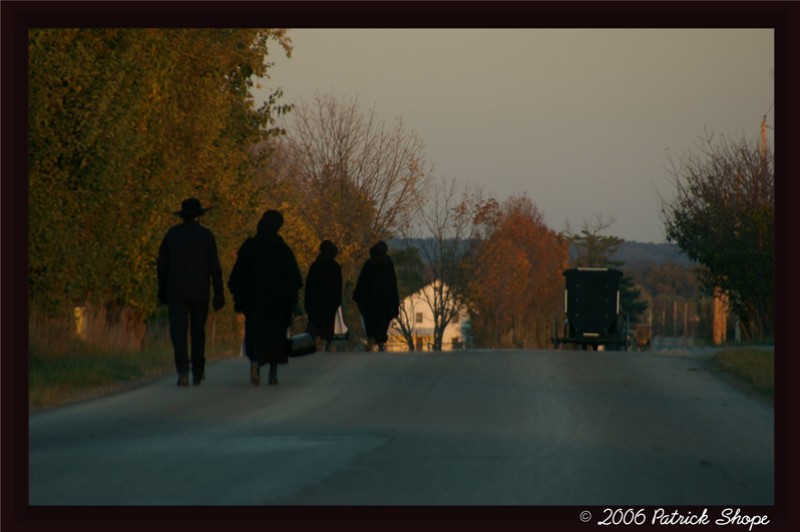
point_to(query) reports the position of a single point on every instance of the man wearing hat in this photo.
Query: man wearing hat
(187, 264)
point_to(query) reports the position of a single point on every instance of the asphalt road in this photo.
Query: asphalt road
(466, 428)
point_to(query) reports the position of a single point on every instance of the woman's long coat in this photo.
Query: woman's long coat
(264, 283)
(323, 295)
(376, 294)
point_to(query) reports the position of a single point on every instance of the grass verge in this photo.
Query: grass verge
(751, 369)
(64, 368)
(57, 380)
(85, 373)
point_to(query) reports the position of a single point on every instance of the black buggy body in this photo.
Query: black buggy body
(592, 308)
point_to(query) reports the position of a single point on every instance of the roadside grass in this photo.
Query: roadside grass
(63, 369)
(750, 368)
(87, 373)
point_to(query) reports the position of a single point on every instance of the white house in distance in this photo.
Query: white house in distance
(420, 314)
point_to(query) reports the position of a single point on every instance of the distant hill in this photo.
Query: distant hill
(632, 253)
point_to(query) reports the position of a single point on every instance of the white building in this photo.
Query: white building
(420, 315)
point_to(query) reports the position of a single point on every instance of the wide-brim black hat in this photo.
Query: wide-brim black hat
(191, 207)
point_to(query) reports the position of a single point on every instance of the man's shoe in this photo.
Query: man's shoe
(183, 380)
(198, 379)
(255, 376)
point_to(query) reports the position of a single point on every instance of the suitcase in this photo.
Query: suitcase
(301, 343)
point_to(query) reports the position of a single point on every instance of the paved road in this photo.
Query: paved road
(466, 428)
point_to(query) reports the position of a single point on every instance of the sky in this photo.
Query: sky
(581, 121)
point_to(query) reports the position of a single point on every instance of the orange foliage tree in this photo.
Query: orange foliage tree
(517, 284)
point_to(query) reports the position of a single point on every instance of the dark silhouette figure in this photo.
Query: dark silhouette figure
(323, 292)
(187, 264)
(376, 295)
(264, 283)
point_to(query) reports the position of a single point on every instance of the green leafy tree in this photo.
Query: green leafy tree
(722, 216)
(631, 299)
(123, 125)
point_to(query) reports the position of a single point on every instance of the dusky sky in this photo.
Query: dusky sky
(580, 120)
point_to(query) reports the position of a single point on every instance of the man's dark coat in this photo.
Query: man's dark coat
(188, 263)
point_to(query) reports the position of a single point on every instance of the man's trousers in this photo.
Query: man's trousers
(188, 317)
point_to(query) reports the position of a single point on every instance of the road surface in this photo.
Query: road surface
(475, 427)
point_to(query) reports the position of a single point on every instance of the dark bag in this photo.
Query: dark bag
(301, 343)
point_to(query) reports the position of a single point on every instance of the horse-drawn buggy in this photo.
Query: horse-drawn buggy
(592, 311)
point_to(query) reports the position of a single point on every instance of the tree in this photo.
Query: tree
(516, 280)
(347, 176)
(410, 272)
(123, 125)
(447, 221)
(722, 216)
(593, 250)
(630, 299)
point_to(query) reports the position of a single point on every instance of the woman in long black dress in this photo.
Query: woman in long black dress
(376, 295)
(323, 292)
(264, 283)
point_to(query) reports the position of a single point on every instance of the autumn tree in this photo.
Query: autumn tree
(123, 125)
(722, 216)
(516, 281)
